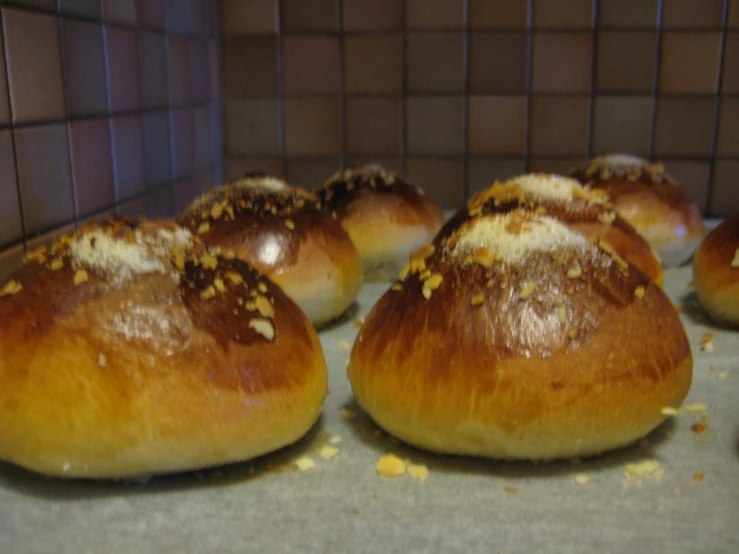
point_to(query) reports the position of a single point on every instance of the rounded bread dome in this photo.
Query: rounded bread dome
(517, 338)
(650, 200)
(386, 217)
(582, 210)
(281, 230)
(131, 349)
(716, 272)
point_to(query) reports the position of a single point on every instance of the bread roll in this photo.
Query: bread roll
(585, 211)
(517, 338)
(129, 349)
(386, 217)
(281, 231)
(716, 272)
(651, 201)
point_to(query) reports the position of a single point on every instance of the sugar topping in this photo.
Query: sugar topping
(511, 237)
(262, 182)
(547, 186)
(620, 161)
(127, 256)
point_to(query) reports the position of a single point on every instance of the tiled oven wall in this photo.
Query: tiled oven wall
(457, 93)
(106, 107)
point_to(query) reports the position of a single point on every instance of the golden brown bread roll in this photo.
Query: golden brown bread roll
(281, 231)
(651, 201)
(716, 272)
(130, 349)
(517, 338)
(585, 211)
(386, 217)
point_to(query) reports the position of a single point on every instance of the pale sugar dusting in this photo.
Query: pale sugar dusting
(512, 238)
(620, 161)
(547, 186)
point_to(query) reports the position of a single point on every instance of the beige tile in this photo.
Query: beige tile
(153, 60)
(724, 200)
(310, 172)
(733, 16)
(482, 172)
(47, 5)
(122, 56)
(203, 129)
(11, 229)
(84, 68)
(559, 125)
(558, 166)
(157, 147)
(562, 62)
(252, 128)
(151, 13)
(373, 64)
(434, 14)
(316, 15)
(120, 11)
(727, 143)
(89, 140)
(684, 127)
(310, 64)
(378, 15)
(185, 191)
(34, 65)
(184, 17)
(434, 62)
(200, 70)
(441, 179)
(134, 209)
(624, 61)
(496, 125)
(4, 101)
(497, 62)
(692, 14)
(730, 84)
(250, 17)
(236, 167)
(128, 155)
(693, 178)
(312, 126)
(628, 13)
(10, 260)
(393, 163)
(183, 143)
(434, 125)
(161, 202)
(250, 66)
(689, 62)
(555, 14)
(42, 154)
(89, 9)
(622, 124)
(498, 14)
(179, 71)
(373, 125)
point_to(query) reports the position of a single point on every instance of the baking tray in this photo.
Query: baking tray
(465, 504)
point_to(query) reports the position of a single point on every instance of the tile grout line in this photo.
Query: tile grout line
(655, 79)
(280, 89)
(717, 107)
(342, 96)
(591, 95)
(529, 84)
(404, 93)
(465, 99)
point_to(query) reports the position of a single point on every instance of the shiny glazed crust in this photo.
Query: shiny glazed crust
(287, 236)
(716, 272)
(200, 362)
(588, 213)
(651, 201)
(520, 361)
(386, 217)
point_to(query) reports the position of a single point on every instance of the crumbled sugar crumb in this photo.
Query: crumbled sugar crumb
(510, 242)
(574, 272)
(80, 277)
(208, 293)
(305, 463)
(477, 299)
(203, 228)
(581, 478)
(670, 411)
(696, 407)
(56, 264)
(647, 468)
(263, 327)
(328, 452)
(123, 258)
(527, 292)
(419, 472)
(390, 466)
(639, 292)
(547, 186)
(11, 287)
(348, 413)
(735, 262)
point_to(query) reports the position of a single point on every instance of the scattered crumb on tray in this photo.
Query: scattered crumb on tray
(650, 469)
(358, 322)
(707, 342)
(334, 439)
(581, 478)
(419, 472)
(698, 476)
(696, 407)
(670, 411)
(510, 490)
(348, 413)
(305, 463)
(390, 466)
(328, 452)
(698, 428)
